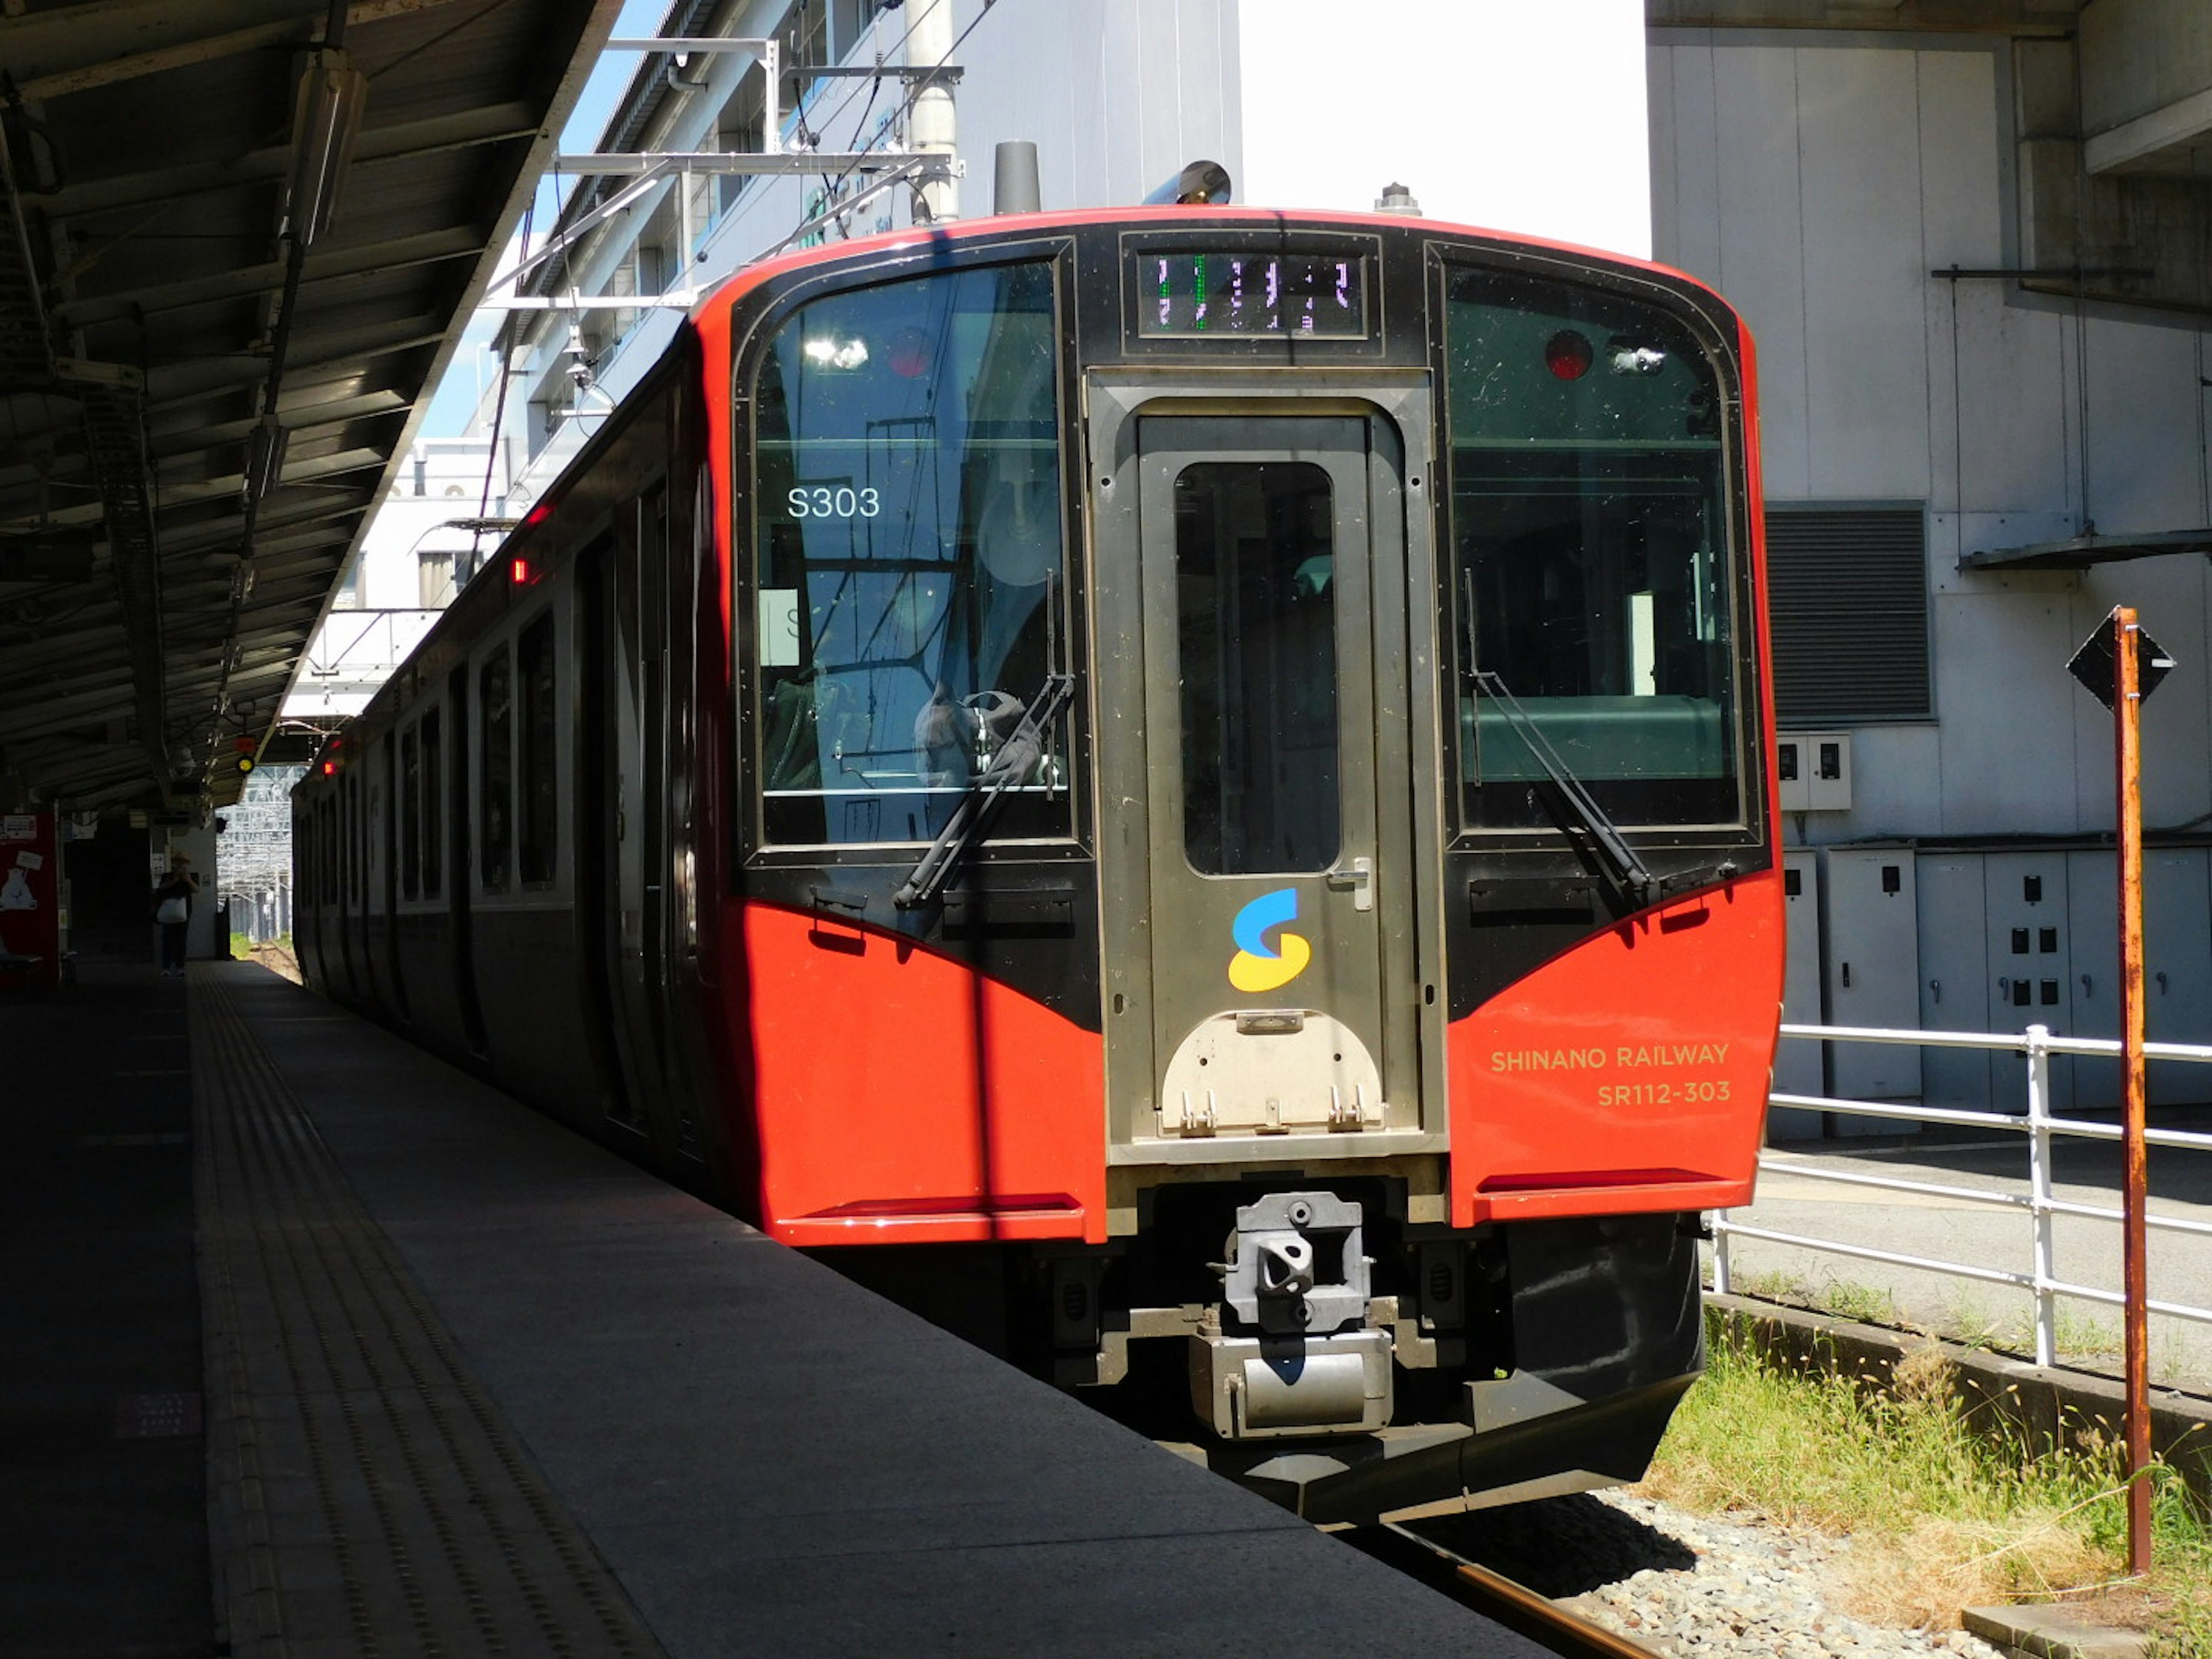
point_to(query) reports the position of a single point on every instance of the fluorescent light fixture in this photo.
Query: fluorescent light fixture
(265, 456)
(325, 123)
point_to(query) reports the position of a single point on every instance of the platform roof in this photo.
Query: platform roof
(202, 394)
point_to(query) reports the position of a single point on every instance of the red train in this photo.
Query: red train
(1184, 789)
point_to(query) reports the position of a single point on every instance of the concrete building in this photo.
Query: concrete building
(441, 519)
(1972, 242)
(1973, 239)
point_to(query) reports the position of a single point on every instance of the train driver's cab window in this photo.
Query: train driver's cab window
(1591, 592)
(911, 555)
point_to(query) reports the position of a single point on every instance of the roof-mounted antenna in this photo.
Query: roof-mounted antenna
(1014, 187)
(1202, 184)
(1396, 198)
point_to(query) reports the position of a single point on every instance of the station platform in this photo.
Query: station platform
(474, 1385)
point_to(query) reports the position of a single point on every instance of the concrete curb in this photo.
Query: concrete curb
(2050, 1633)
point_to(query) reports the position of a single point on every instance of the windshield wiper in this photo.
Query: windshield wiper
(1015, 758)
(1632, 875)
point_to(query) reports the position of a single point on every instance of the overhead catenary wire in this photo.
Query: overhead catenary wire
(905, 108)
(889, 124)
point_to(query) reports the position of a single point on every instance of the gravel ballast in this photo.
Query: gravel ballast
(1687, 1586)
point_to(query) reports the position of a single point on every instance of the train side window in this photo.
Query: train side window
(432, 814)
(539, 775)
(1596, 568)
(408, 812)
(910, 537)
(495, 720)
(376, 834)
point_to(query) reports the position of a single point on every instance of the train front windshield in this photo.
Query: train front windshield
(910, 528)
(1590, 568)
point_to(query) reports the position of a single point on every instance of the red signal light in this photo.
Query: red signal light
(1569, 355)
(910, 353)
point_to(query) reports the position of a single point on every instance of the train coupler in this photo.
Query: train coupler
(1297, 1272)
(1250, 1387)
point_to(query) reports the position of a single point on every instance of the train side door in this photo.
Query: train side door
(1279, 969)
(634, 608)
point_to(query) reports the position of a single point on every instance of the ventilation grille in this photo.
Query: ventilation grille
(1847, 593)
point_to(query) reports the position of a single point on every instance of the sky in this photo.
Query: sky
(455, 400)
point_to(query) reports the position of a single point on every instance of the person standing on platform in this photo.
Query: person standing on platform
(172, 909)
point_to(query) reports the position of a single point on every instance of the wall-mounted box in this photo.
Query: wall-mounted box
(1871, 976)
(1815, 768)
(1799, 1067)
(1955, 956)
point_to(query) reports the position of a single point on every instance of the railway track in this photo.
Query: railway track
(1491, 1593)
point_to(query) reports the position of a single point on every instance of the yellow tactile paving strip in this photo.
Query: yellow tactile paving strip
(366, 1500)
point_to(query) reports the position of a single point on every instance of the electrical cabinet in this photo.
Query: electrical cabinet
(1870, 973)
(2029, 927)
(1798, 1062)
(1954, 954)
(2176, 969)
(2178, 966)
(2092, 898)
(1815, 771)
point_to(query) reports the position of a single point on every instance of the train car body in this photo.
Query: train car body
(1185, 790)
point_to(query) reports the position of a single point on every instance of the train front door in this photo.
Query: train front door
(1279, 969)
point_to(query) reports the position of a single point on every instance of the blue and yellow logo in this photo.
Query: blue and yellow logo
(1257, 967)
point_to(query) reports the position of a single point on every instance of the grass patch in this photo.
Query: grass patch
(1940, 1516)
(1844, 1299)
(2078, 1338)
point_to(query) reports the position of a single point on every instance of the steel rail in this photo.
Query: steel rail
(1524, 1612)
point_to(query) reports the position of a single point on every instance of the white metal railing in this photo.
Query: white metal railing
(2040, 1203)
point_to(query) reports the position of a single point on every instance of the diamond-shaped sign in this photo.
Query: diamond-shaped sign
(2092, 663)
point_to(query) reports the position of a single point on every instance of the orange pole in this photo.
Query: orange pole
(2127, 714)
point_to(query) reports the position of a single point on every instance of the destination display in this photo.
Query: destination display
(1185, 295)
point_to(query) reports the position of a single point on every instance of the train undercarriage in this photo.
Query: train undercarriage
(1311, 1343)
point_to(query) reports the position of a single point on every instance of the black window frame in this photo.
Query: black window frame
(538, 680)
(776, 306)
(431, 787)
(1712, 329)
(494, 733)
(408, 808)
